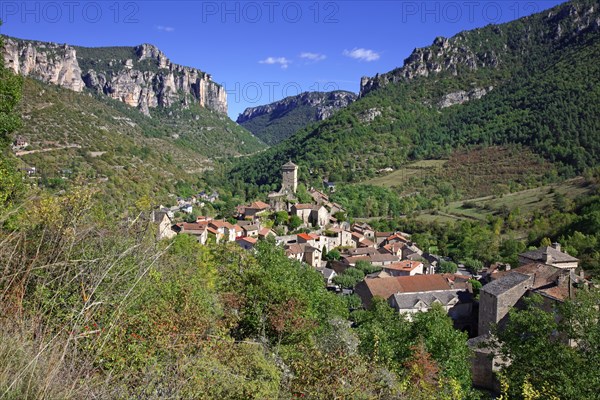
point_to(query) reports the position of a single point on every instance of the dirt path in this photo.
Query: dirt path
(68, 146)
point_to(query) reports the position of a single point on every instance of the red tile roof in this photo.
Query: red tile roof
(395, 237)
(293, 249)
(383, 234)
(220, 224)
(192, 226)
(259, 205)
(406, 265)
(265, 232)
(366, 242)
(305, 236)
(385, 287)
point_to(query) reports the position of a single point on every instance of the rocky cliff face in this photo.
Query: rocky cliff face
(324, 104)
(491, 48)
(444, 55)
(463, 96)
(277, 121)
(141, 77)
(49, 62)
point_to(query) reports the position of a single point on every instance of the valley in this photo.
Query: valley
(433, 236)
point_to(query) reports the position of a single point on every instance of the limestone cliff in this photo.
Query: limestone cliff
(491, 48)
(324, 105)
(141, 76)
(49, 62)
(277, 121)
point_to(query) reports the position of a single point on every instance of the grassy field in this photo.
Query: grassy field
(471, 173)
(419, 169)
(526, 200)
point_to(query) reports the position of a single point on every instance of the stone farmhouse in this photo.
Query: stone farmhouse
(410, 294)
(547, 272)
(550, 255)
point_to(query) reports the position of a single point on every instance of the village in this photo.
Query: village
(394, 268)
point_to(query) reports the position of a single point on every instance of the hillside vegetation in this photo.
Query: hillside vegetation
(87, 138)
(543, 72)
(275, 122)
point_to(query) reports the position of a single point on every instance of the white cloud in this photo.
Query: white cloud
(313, 56)
(284, 62)
(362, 54)
(165, 28)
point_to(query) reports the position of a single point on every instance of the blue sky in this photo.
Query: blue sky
(262, 51)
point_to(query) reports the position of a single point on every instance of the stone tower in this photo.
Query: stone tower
(289, 182)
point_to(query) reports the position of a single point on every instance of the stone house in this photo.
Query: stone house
(197, 229)
(364, 230)
(311, 214)
(247, 243)
(319, 216)
(255, 209)
(362, 251)
(312, 256)
(251, 230)
(393, 248)
(550, 255)
(19, 143)
(328, 275)
(498, 297)
(225, 230)
(458, 303)
(380, 237)
(265, 233)
(386, 287)
(318, 197)
(165, 223)
(308, 238)
(303, 211)
(405, 268)
(506, 290)
(294, 251)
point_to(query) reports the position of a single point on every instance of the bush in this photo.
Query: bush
(448, 267)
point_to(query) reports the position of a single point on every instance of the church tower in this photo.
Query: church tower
(289, 182)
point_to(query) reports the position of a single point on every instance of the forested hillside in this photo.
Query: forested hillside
(538, 87)
(275, 122)
(80, 137)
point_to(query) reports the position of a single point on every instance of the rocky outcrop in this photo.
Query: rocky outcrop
(462, 96)
(444, 55)
(494, 46)
(324, 104)
(49, 62)
(141, 77)
(369, 115)
(275, 122)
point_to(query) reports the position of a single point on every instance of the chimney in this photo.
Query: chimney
(556, 246)
(547, 259)
(563, 279)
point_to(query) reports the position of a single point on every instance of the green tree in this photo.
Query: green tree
(10, 95)
(366, 267)
(537, 353)
(294, 223)
(333, 255)
(448, 267)
(473, 264)
(446, 345)
(281, 218)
